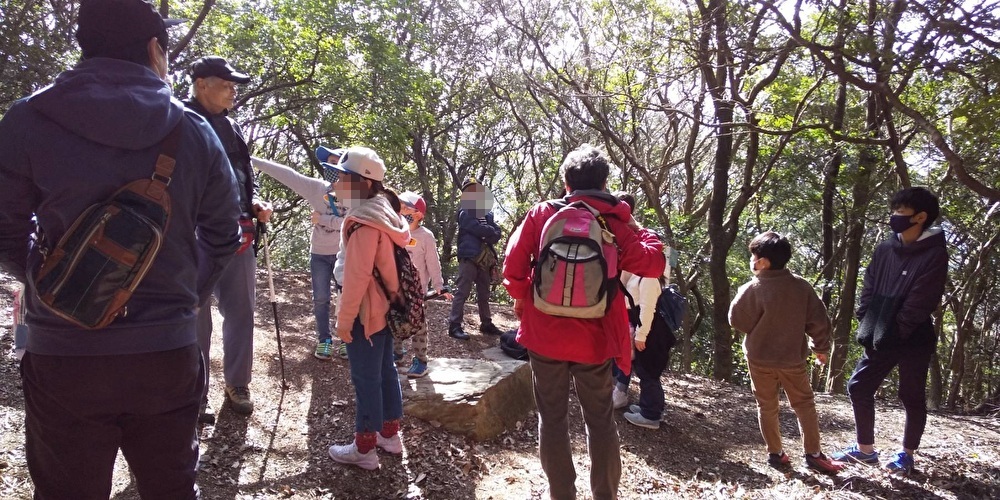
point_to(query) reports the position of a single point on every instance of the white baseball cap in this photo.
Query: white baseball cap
(362, 161)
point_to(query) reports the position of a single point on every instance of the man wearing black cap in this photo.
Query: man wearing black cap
(213, 94)
(136, 384)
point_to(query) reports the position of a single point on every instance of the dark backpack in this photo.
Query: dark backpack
(671, 307)
(406, 315)
(88, 277)
(511, 347)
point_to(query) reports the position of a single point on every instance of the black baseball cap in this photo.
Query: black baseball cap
(107, 26)
(218, 67)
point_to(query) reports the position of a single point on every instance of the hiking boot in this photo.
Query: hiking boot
(455, 331)
(854, 454)
(641, 421)
(239, 398)
(349, 454)
(206, 415)
(342, 350)
(822, 464)
(778, 460)
(488, 328)
(902, 464)
(324, 350)
(619, 398)
(393, 444)
(417, 369)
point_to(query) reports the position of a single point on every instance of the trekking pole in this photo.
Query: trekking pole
(274, 303)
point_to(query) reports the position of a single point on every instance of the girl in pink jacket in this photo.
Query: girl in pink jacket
(369, 233)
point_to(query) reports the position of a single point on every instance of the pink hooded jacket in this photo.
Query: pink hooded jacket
(589, 341)
(367, 247)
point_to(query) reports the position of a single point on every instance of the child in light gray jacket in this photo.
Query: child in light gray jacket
(327, 218)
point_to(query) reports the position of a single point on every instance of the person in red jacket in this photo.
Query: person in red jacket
(561, 348)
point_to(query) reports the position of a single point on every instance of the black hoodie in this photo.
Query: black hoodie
(902, 288)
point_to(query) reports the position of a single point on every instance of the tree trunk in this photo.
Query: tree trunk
(722, 368)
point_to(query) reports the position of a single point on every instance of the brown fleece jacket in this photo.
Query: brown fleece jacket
(777, 310)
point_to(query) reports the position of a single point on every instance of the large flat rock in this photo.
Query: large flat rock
(474, 397)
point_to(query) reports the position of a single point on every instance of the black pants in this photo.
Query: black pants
(80, 410)
(872, 369)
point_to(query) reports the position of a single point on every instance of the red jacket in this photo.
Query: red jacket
(589, 341)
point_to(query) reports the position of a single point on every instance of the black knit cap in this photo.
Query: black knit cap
(107, 26)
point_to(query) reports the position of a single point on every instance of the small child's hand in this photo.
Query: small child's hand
(640, 345)
(821, 358)
(314, 217)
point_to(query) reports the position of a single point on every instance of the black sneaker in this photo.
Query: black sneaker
(489, 328)
(456, 332)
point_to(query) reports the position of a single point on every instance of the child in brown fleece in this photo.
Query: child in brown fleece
(776, 310)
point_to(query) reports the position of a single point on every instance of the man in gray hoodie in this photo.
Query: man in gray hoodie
(134, 385)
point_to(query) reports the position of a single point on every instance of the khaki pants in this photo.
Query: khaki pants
(766, 383)
(550, 379)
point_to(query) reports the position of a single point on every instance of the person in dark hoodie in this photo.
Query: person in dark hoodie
(134, 385)
(213, 94)
(477, 233)
(903, 286)
(563, 348)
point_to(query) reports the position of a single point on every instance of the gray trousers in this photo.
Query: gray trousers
(236, 293)
(468, 274)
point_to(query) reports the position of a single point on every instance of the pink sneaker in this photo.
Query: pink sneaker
(392, 444)
(349, 454)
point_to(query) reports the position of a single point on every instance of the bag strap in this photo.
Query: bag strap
(165, 163)
(628, 296)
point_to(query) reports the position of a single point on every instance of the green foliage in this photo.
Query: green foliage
(503, 90)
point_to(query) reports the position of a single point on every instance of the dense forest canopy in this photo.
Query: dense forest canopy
(725, 118)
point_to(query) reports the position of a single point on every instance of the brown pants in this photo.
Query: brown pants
(593, 384)
(766, 383)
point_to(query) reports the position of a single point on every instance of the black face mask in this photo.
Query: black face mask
(900, 223)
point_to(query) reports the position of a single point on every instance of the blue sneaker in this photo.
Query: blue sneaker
(417, 369)
(854, 454)
(398, 357)
(902, 464)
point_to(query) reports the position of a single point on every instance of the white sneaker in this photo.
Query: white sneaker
(392, 444)
(641, 421)
(349, 454)
(619, 398)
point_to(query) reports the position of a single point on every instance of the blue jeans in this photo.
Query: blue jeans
(321, 267)
(378, 397)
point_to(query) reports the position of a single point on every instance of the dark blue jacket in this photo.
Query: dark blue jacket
(75, 143)
(473, 233)
(902, 288)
